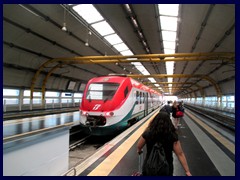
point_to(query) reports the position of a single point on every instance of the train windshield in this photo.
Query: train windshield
(101, 91)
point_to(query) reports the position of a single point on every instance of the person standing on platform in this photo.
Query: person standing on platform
(174, 111)
(180, 108)
(161, 129)
(167, 108)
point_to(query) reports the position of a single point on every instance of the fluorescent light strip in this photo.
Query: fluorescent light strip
(168, 21)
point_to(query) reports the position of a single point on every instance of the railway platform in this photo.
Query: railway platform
(208, 152)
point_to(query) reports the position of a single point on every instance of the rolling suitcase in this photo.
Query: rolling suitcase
(140, 161)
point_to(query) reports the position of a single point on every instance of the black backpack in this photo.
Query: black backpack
(156, 164)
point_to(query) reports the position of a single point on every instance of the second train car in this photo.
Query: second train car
(112, 103)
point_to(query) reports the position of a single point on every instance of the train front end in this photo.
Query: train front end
(100, 111)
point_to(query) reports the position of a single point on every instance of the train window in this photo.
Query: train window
(101, 91)
(137, 97)
(140, 98)
(143, 98)
(125, 92)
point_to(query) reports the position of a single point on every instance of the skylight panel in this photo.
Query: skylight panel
(113, 39)
(88, 13)
(169, 44)
(152, 80)
(169, 35)
(169, 67)
(126, 53)
(103, 28)
(170, 80)
(168, 9)
(168, 23)
(131, 59)
(169, 51)
(144, 72)
(136, 64)
(141, 68)
(120, 47)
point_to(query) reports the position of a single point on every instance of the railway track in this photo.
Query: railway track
(82, 146)
(78, 142)
(216, 116)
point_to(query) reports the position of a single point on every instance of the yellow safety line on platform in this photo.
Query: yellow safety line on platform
(112, 160)
(229, 145)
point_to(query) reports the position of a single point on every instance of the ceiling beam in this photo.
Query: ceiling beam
(228, 56)
(141, 58)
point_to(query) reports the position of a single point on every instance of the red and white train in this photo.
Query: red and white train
(111, 103)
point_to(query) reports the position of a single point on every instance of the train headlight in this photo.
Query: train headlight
(84, 113)
(109, 113)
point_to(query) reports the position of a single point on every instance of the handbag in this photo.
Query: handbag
(179, 113)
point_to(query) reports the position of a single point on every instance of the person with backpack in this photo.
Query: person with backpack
(161, 131)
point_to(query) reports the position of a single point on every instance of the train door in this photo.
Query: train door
(145, 104)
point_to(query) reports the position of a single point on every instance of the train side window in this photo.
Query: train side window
(140, 98)
(126, 92)
(143, 98)
(137, 97)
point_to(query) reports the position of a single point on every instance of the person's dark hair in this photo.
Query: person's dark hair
(161, 125)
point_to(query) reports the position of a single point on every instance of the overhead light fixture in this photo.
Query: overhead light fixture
(64, 28)
(86, 43)
(88, 33)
